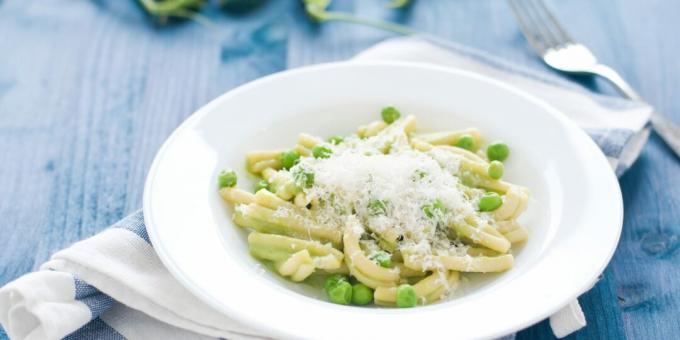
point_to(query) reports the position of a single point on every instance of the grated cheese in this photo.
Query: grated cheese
(387, 169)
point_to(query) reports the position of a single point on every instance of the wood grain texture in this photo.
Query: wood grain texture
(90, 89)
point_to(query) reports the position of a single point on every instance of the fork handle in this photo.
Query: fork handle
(669, 131)
(615, 79)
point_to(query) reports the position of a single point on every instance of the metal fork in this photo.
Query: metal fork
(561, 52)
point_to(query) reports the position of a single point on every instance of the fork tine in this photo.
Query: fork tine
(539, 25)
(560, 33)
(528, 27)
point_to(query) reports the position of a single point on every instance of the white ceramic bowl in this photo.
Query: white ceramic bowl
(574, 218)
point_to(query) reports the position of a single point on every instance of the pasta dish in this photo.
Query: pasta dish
(387, 216)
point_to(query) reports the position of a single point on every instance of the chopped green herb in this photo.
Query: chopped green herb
(335, 140)
(377, 207)
(420, 174)
(263, 184)
(436, 208)
(383, 258)
(303, 178)
(321, 151)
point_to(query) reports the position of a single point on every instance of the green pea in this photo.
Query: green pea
(466, 142)
(289, 159)
(490, 201)
(498, 151)
(377, 207)
(383, 258)
(321, 151)
(226, 178)
(263, 184)
(361, 294)
(340, 293)
(406, 296)
(390, 114)
(495, 170)
(431, 210)
(333, 280)
(335, 140)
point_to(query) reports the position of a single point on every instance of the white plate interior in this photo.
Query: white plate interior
(574, 216)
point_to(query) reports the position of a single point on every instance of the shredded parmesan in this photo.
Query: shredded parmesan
(386, 171)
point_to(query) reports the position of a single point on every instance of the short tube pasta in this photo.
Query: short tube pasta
(465, 263)
(450, 137)
(429, 289)
(361, 266)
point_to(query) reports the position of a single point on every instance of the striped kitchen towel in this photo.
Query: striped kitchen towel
(113, 286)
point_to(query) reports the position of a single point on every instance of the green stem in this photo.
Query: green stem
(182, 13)
(386, 25)
(398, 3)
(167, 8)
(176, 8)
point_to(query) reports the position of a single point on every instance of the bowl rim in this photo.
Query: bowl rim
(166, 258)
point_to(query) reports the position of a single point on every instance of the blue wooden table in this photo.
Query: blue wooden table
(90, 89)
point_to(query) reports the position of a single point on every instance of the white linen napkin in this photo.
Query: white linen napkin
(113, 285)
(619, 126)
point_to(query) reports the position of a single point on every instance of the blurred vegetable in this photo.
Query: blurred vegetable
(399, 3)
(240, 6)
(165, 9)
(317, 11)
